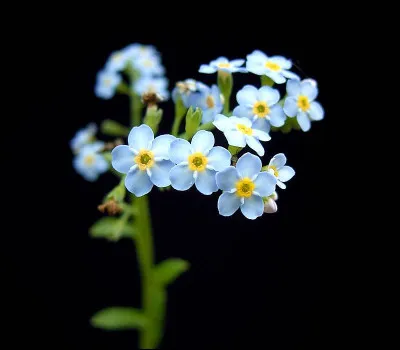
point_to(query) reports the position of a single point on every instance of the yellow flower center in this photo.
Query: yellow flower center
(210, 101)
(244, 129)
(245, 187)
(144, 159)
(261, 109)
(274, 169)
(224, 65)
(303, 103)
(89, 160)
(273, 66)
(197, 162)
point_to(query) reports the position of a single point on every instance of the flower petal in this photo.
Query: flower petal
(243, 111)
(308, 89)
(205, 182)
(205, 68)
(101, 164)
(122, 158)
(261, 135)
(254, 144)
(269, 95)
(247, 95)
(262, 124)
(265, 184)
(222, 122)
(138, 182)
(304, 121)
(282, 61)
(219, 158)
(278, 161)
(203, 141)
(237, 62)
(235, 138)
(245, 121)
(290, 106)
(290, 75)
(248, 165)
(179, 151)
(293, 87)
(141, 137)
(181, 177)
(226, 179)
(277, 116)
(228, 203)
(286, 173)
(161, 144)
(253, 207)
(316, 111)
(277, 77)
(160, 173)
(281, 184)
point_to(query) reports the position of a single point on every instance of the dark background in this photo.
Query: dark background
(251, 283)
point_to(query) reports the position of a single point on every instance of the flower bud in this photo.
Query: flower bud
(270, 206)
(193, 119)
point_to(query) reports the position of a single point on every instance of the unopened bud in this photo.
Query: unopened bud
(151, 99)
(193, 119)
(270, 206)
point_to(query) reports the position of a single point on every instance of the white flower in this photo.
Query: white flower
(241, 131)
(156, 85)
(281, 171)
(274, 67)
(106, 84)
(300, 102)
(244, 187)
(197, 162)
(89, 163)
(224, 65)
(83, 137)
(145, 160)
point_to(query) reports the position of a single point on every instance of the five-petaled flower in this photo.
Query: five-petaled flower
(197, 162)
(274, 67)
(106, 84)
(244, 187)
(281, 171)
(241, 131)
(152, 85)
(208, 99)
(300, 102)
(145, 160)
(222, 64)
(82, 137)
(89, 162)
(261, 106)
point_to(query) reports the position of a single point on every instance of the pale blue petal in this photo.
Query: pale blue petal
(255, 67)
(161, 144)
(265, 184)
(290, 107)
(101, 164)
(228, 204)
(253, 207)
(277, 116)
(159, 173)
(316, 111)
(293, 87)
(248, 165)
(209, 114)
(247, 95)
(226, 179)
(204, 68)
(205, 182)
(304, 121)
(219, 158)
(281, 185)
(262, 124)
(239, 70)
(221, 59)
(290, 75)
(281, 61)
(243, 111)
(308, 89)
(278, 161)
(203, 141)
(179, 151)
(235, 138)
(254, 144)
(269, 95)
(261, 135)
(257, 55)
(122, 158)
(181, 177)
(277, 77)
(286, 173)
(93, 147)
(138, 182)
(237, 63)
(141, 137)
(221, 122)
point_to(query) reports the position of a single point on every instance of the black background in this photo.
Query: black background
(251, 283)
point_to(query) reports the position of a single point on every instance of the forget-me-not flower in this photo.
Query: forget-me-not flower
(241, 131)
(274, 67)
(281, 171)
(208, 99)
(155, 85)
(224, 65)
(106, 84)
(83, 136)
(145, 160)
(89, 162)
(149, 65)
(261, 106)
(197, 162)
(244, 187)
(301, 102)
(183, 90)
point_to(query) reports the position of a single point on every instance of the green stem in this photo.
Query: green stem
(266, 81)
(225, 84)
(180, 111)
(136, 110)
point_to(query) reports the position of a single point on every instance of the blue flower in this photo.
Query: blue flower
(156, 85)
(244, 187)
(224, 65)
(300, 102)
(281, 171)
(208, 99)
(139, 51)
(82, 137)
(145, 160)
(117, 61)
(197, 162)
(106, 84)
(149, 65)
(89, 163)
(183, 90)
(261, 106)
(241, 131)
(274, 67)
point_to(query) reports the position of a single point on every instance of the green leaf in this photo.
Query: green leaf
(118, 318)
(112, 228)
(113, 128)
(169, 270)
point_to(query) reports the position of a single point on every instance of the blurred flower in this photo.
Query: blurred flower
(261, 106)
(89, 163)
(83, 136)
(244, 187)
(281, 171)
(197, 162)
(183, 90)
(300, 102)
(149, 65)
(145, 160)
(146, 85)
(223, 64)
(241, 131)
(117, 61)
(106, 84)
(274, 67)
(208, 99)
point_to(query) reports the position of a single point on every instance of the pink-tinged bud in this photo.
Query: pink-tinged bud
(274, 196)
(270, 206)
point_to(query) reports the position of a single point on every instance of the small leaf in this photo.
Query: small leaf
(118, 318)
(112, 228)
(169, 270)
(113, 128)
